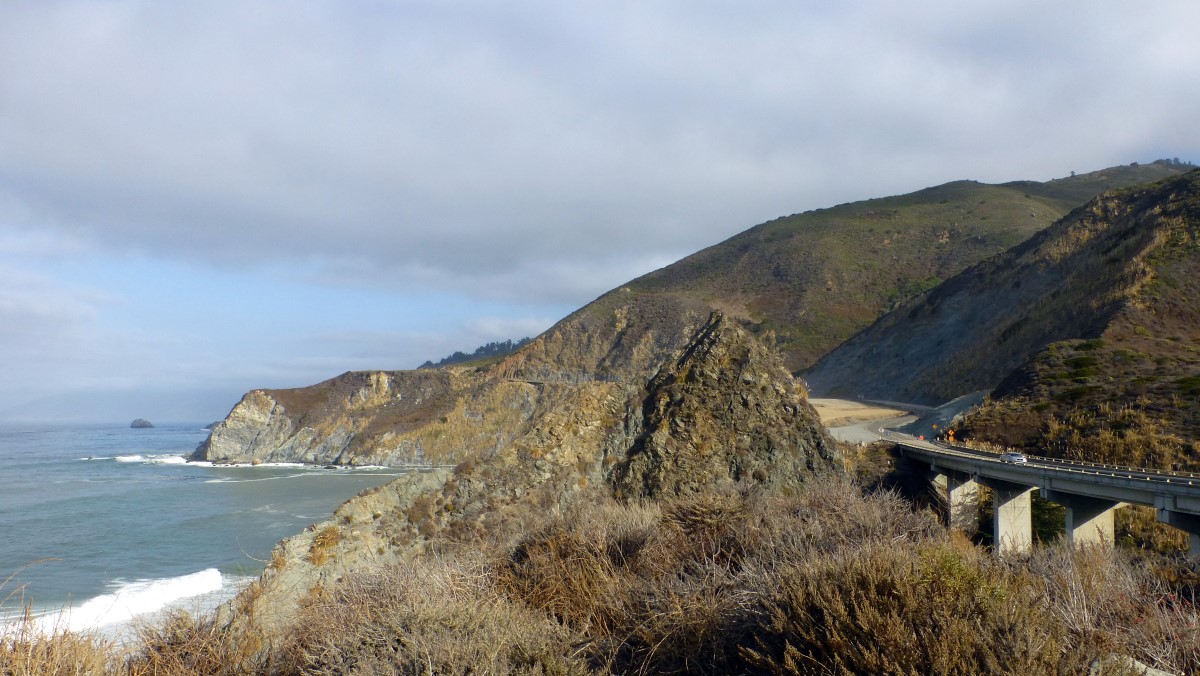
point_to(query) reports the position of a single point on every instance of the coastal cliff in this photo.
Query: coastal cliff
(720, 413)
(803, 283)
(447, 415)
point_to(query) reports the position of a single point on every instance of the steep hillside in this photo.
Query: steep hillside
(804, 283)
(632, 440)
(817, 278)
(1090, 330)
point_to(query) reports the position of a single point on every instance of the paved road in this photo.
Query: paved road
(1038, 466)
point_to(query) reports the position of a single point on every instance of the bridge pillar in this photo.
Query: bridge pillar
(962, 497)
(1089, 520)
(1185, 522)
(1013, 507)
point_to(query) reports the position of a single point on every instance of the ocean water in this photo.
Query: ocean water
(101, 524)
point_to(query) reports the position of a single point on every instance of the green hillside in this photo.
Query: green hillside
(817, 278)
(1130, 393)
(1089, 333)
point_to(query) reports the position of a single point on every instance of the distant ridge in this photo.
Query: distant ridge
(802, 284)
(813, 280)
(1088, 329)
(488, 351)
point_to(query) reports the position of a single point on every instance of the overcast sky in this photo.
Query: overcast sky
(201, 198)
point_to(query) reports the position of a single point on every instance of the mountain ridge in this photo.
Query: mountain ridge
(802, 283)
(1087, 332)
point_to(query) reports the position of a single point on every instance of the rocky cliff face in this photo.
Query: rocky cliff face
(448, 415)
(1067, 282)
(722, 411)
(804, 283)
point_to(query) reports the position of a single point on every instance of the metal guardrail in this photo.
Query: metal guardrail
(1076, 468)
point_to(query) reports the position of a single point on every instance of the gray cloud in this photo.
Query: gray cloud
(480, 140)
(534, 153)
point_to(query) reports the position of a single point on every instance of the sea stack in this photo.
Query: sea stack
(140, 424)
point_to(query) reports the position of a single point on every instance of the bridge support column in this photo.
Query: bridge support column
(1185, 522)
(1089, 520)
(1013, 507)
(962, 497)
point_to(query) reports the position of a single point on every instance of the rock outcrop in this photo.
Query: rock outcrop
(725, 411)
(447, 415)
(141, 424)
(722, 411)
(804, 283)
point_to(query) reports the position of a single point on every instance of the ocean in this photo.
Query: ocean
(103, 524)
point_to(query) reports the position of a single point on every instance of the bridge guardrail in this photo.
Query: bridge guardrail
(1094, 469)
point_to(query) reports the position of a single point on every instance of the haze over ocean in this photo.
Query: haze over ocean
(110, 520)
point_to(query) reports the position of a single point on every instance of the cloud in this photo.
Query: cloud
(35, 311)
(521, 157)
(471, 140)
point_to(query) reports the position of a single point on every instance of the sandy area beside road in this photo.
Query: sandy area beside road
(842, 412)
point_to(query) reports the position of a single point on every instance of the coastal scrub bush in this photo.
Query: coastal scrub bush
(753, 580)
(427, 617)
(181, 643)
(1143, 607)
(322, 542)
(932, 607)
(27, 649)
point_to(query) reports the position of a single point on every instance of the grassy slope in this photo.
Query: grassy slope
(817, 278)
(1090, 328)
(1131, 394)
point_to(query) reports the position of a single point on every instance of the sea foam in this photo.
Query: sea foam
(129, 600)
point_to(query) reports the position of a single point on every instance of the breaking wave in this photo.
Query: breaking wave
(128, 600)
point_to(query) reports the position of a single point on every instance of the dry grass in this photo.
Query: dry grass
(182, 643)
(427, 617)
(27, 650)
(322, 543)
(824, 581)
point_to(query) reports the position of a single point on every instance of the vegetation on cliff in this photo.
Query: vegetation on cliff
(1128, 393)
(481, 354)
(1088, 331)
(752, 580)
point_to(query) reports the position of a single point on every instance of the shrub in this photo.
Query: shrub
(322, 543)
(907, 608)
(182, 643)
(27, 648)
(430, 617)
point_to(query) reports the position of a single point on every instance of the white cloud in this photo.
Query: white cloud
(467, 136)
(529, 152)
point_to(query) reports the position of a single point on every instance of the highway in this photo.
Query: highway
(1089, 491)
(1040, 466)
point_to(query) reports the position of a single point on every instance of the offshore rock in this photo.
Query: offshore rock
(141, 424)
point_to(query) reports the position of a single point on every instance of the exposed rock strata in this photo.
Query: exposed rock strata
(1070, 281)
(448, 415)
(725, 411)
(721, 411)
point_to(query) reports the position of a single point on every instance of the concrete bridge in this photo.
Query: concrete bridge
(1090, 492)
